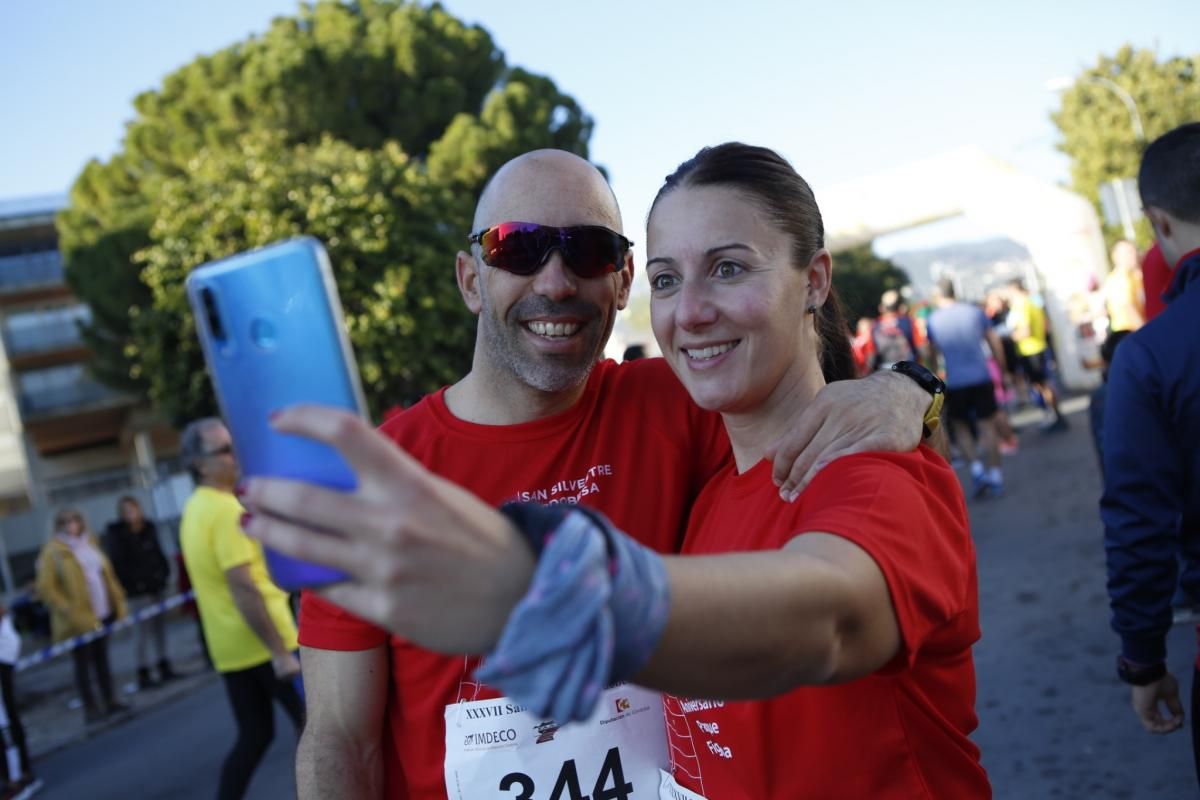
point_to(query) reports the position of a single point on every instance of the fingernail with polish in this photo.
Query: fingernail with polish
(240, 490)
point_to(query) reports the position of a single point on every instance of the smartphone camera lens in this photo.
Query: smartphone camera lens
(214, 319)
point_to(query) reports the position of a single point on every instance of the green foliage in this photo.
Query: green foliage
(861, 277)
(370, 125)
(1097, 130)
(379, 216)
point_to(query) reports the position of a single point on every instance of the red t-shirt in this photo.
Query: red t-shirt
(634, 447)
(898, 733)
(1156, 278)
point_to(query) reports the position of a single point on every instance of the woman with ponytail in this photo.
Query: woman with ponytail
(822, 647)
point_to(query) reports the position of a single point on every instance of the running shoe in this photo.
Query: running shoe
(983, 488)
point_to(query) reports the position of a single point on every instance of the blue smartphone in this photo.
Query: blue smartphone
(271, 326)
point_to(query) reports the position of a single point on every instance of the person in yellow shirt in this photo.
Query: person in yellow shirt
(1124, 295)
(247, 622)
(1027, 321)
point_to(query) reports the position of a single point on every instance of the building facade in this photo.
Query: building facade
(65, 438)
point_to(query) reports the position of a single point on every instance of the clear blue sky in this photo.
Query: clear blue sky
(843, 88)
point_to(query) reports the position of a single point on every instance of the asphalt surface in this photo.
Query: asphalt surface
(1054, 720)
(171, 752)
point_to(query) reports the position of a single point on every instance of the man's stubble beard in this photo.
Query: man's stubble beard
(503, 340)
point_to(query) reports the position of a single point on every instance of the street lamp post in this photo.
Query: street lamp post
(1135, 118)
(1118, 189)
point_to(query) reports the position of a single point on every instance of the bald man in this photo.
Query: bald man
(542, 417)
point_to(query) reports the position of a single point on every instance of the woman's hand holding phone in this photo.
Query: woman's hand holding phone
(426, 559)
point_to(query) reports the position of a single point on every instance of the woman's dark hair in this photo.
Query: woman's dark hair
(769, 180)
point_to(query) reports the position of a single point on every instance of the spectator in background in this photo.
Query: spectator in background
(184, 585)
(1029, 331)
(862, 347)
(961, 332)
(1099, 395)
(1151, 503)
(1156, 277)
(1010, 384)
(142, 568)
(23, 784)
(634, 352)
(248, 624)
(995, 305)
(894, 335)
(76, 580)
(1124, 297)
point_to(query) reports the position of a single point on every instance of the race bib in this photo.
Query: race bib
(668, 789)
(494, 749)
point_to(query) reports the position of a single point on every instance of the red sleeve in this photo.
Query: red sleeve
(906, 510)
(325, 626)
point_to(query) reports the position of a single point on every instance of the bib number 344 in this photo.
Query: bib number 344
(610, 783)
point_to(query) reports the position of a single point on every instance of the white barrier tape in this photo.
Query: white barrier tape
(67, 645)
(1186, 615)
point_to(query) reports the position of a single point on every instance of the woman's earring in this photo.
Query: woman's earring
(812, 309)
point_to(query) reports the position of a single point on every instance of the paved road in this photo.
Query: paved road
(173, 752)
(1054, 721)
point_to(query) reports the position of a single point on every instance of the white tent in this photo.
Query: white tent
(1058, 227)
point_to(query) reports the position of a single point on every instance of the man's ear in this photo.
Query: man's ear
(1160, 220)
(625, 278)
(466, 272)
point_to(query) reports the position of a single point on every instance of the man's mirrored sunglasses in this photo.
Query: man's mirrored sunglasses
(522, 247)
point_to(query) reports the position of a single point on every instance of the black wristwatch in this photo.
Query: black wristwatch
(1140, 674)
(930, 383)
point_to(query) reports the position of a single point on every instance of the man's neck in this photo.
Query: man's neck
(215, 486)
(485, 398)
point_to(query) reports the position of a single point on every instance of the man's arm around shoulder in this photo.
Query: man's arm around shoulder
(340, 754)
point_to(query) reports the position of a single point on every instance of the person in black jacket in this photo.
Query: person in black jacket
(142, 568)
